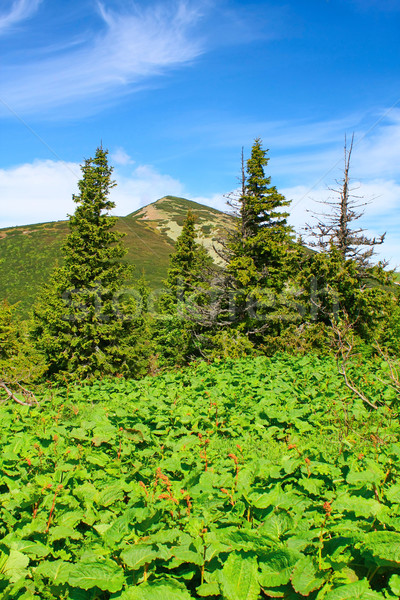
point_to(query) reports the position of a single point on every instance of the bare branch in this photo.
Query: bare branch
(345, 349)
(12, 396)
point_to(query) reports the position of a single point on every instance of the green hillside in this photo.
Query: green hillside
(29, 253)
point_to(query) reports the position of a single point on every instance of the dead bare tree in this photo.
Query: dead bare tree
(335, 227)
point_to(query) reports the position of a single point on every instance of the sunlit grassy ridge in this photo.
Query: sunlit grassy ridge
(238, 480)
(29, 253)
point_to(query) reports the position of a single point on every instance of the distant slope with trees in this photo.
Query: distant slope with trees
(29, 253)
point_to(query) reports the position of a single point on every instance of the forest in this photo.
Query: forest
(235, 437)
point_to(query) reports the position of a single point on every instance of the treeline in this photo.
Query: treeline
(272, 293)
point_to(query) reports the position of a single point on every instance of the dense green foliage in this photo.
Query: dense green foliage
(20, 363)
(250, 478)
(241, 480)
(84, 322)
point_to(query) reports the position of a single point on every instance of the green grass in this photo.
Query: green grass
(238, 480)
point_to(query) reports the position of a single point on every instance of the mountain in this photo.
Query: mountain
(29, 253)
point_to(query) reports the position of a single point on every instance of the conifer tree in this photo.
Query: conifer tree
(188, 262)
(262, 233)
(260, 249)
(248, 298)
(186, 289)
(84, 323)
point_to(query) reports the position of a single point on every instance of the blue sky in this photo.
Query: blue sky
(175, 89)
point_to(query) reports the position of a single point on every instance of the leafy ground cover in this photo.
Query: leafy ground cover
(238, 480)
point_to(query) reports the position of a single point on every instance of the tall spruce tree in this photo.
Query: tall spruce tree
(260, 249)
(84, 324)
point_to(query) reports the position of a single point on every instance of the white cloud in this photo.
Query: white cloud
(37, 192)
(120, 157)
(143, 186)
(19, 11)
(42, 191)
(130, 47)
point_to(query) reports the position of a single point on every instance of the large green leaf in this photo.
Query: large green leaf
(239, 577)
(34, 549)
(276, 567)
(15, 565)
(306, 578)
(138, 555)
(208, 589)
(362, 507)
(86, 574)
(184, 554)
(61, 532)
(110, 494)
(50, 568)
(359, 590)
(160, 589)
(393, 493)
(394, 583)
(383, 544)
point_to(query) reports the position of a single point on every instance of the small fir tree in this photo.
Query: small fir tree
(84, 323)
(189, 261)
(186, 285)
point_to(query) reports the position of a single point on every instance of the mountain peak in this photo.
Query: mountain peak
(29, 253)
(174, 207)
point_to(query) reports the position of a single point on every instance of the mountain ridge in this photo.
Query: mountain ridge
(29, 253)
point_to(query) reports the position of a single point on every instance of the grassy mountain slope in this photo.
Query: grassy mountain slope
(29, 253)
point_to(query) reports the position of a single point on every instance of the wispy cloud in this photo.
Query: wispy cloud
(128, 47)
(19, 11)
(120, 157)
